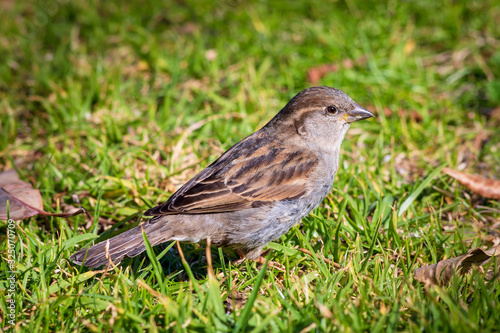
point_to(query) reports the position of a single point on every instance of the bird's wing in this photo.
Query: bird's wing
(250, 174)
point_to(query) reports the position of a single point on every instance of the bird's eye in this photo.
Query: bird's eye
(332, 109)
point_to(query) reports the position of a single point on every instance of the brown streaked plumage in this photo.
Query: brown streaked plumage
(258, 189)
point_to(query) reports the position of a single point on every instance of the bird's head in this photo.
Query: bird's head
(320, 115)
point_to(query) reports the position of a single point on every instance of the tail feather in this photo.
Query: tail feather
(128, 244)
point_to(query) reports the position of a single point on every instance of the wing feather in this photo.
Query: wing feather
(250, 174)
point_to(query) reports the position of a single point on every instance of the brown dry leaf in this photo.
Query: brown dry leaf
(316, 73)
(188, 28)
(442, 272)
(386, 110)
(415, 116)
(495, 113)
(348, 63)
(481, 138)
(235, 301)
(24, 200)
(486, 187)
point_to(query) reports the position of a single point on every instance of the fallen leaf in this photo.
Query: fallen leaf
(442, 272)
(235, 301)
(316, 73)
(415, 116)
(188, 28)
(480, 140)
(24, 200)
(348, 63)
(387, 112)
(486, 187)
(495, 114)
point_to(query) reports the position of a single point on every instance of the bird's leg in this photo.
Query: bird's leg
(242, 255)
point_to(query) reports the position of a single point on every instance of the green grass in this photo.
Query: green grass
(120, 104)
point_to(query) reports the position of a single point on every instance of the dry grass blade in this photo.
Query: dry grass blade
(328, 261)
(210, 267)
(486, 187)
(442, 272)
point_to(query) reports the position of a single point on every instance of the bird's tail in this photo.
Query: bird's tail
(128, 244)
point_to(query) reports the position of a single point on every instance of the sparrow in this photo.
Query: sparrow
(254, 192)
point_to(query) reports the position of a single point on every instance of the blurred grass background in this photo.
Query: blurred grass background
(121, 103)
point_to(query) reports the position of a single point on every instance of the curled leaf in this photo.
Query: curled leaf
(442, 272)
(24, 200)
(315, 74)
(486, 187)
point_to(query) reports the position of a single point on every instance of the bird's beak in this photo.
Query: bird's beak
(358, 113)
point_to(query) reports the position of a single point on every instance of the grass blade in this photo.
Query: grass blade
(245, 314)
(419, 189)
